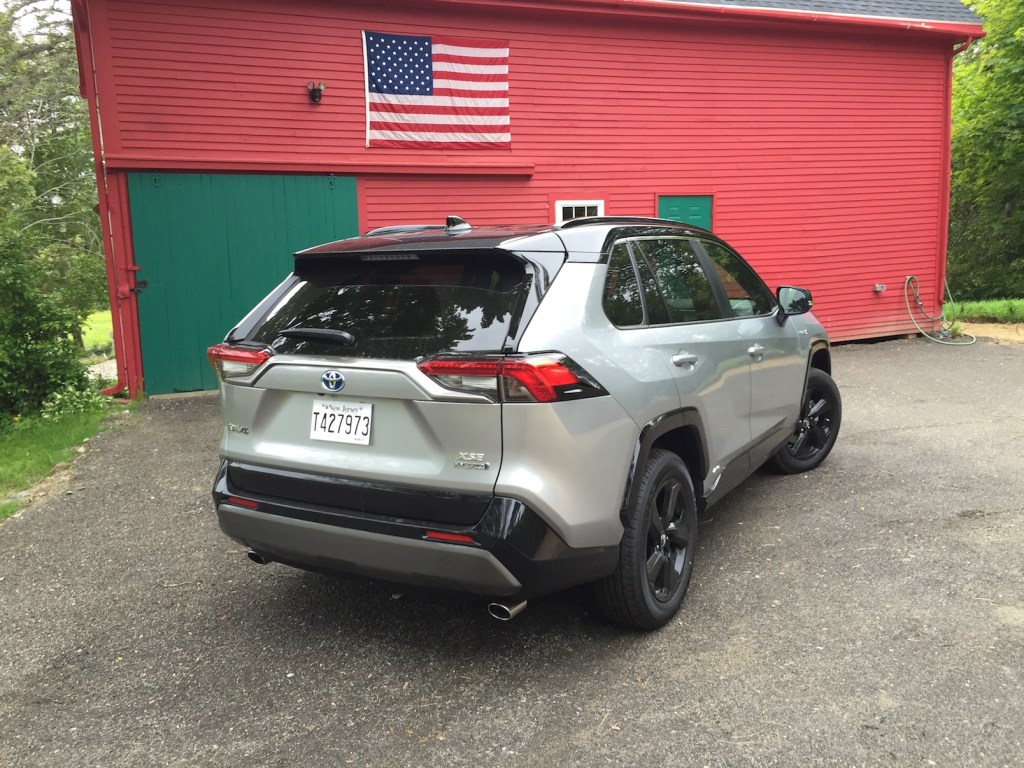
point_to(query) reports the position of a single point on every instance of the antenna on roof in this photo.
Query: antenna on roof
(453, 225)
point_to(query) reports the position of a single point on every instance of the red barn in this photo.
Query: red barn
(812, 134)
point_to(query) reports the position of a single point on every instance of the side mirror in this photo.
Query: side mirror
(792, 301)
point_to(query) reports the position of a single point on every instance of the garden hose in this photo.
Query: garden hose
(912, 284)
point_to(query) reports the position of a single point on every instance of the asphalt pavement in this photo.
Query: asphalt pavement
(868, 613)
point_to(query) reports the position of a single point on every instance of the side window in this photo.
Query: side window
(747, 295)
(680, 279)
(621, 300)
(657, 312)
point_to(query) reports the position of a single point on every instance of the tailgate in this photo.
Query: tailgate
(405, 434)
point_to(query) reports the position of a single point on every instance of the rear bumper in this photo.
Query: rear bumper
(512, 552)
(330, 548)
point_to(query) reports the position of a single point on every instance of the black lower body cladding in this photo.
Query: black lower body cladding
(507, 548)
(355, 497)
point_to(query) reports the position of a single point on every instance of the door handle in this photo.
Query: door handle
(684, 358)
(756, 352)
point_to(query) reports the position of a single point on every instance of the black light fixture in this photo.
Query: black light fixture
(316, 91)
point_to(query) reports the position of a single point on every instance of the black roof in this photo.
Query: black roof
(399, 239)
(947, 11)
(582, 235)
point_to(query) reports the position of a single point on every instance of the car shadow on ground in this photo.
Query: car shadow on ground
(285, 606)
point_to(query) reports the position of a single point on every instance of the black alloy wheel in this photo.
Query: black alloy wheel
(658, 544)
(668, 539)
(816, 429)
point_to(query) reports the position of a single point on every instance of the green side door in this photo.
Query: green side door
(689, 209)
(209, 247)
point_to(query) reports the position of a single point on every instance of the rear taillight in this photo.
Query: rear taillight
(232, 362)
(531, 379)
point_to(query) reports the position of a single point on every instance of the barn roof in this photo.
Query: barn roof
(941, 11)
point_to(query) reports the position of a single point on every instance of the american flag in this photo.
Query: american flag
(436, 92)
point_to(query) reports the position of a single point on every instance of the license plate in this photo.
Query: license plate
(340, 422)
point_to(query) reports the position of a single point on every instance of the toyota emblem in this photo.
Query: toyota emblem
(333, 381)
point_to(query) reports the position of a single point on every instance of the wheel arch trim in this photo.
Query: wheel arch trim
(820, 351)
(650, 433)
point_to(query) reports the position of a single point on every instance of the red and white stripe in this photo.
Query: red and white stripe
(468, 109)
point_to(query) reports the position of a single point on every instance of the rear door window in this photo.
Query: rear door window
(680, 278)
(747, 295)
(399, 307)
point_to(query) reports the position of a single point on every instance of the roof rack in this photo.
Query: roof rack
(620, 220)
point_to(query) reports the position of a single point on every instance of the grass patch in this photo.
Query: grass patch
(31, 447)
(96, 333)
(992, 311)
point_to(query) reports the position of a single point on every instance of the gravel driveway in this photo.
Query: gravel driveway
(869, 613)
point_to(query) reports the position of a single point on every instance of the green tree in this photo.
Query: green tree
(986, 242)
(16, 192)
(37, 354)
(51, 264)
(44, 126)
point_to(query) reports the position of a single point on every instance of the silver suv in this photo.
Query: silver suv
(515, 410)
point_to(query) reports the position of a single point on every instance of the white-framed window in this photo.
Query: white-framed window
(574, 209)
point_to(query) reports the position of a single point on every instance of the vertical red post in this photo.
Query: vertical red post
(114, 224)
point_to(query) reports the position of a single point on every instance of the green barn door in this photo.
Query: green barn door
(689, 209)
(209, 247)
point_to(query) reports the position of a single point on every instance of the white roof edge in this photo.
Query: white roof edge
(807, 12)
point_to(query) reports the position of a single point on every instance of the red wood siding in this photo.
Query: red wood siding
(825, 153)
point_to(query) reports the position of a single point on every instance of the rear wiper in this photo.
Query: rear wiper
(326, 335)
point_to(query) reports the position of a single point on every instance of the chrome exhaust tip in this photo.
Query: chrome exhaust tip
(505, 612)
(256, 557)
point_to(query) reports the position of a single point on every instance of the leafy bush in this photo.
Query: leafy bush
(37, 354)
(72, 399)
(106, 349)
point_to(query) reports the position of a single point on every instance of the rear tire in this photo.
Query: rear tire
(656, 553)
(817, 427)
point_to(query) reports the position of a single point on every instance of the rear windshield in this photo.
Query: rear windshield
(398, 309)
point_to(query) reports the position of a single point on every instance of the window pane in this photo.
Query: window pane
(683, 284)
(747, 294)
(456, 304)
(657, 312)
(621, 291)
(566, 210)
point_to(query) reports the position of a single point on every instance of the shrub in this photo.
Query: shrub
(37, 353)
(72, 399)
(105, 349)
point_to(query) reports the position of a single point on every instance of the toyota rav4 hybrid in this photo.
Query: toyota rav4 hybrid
(512, 411)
